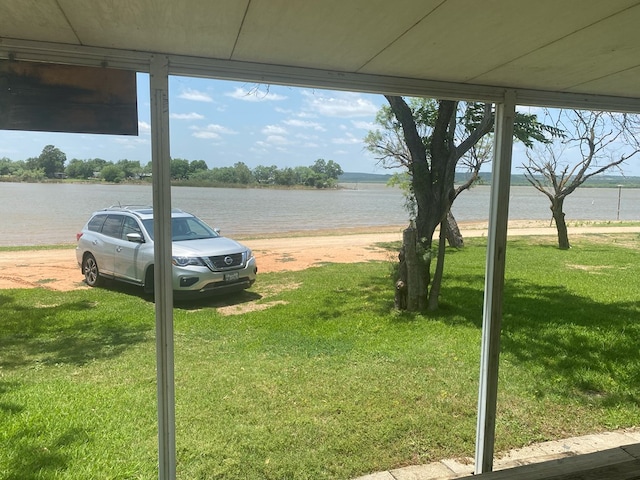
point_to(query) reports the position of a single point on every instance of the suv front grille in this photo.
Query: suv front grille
(226, 262)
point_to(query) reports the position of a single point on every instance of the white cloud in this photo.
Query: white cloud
(305, 124)
(348, 139)
(211, 131)
(130, 142)
(344, 105)
(361, 124)
(195, 95)
(277, 140)
(260, 150)
(206, 135)
(302, 136)
(254, 95)
(186, 116)
(144, 127)
(274, 130)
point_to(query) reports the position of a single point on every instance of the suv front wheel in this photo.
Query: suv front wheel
(91, 271)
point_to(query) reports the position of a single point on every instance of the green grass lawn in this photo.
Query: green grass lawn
(314, 375)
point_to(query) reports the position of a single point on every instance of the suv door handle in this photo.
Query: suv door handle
(118, 249)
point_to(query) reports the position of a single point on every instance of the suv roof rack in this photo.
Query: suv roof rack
(128, 207)
(136, 208)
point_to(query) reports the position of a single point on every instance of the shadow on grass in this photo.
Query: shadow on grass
(216, 301)
(67, 332)
(581, 348)
(187, 302)
(584, 347)
(9, 407)
(32, 460)
(374, 292)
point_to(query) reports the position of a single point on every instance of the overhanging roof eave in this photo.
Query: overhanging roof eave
(304, 77)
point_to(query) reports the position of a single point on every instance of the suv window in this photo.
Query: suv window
(199, 230)
(130, 226)
(184, 228)
(113, 226)
(95, 224)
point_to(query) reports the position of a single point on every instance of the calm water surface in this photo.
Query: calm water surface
(40, 214)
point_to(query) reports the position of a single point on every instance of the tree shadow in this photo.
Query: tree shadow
(68, 332)
(29, 460)
(374, 291)
(187, 301)
(9, 408)
(583, 349)
(216, 301)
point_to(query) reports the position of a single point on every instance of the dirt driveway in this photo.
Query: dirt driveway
(57, 269)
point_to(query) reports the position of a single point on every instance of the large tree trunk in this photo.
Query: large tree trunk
(561, 225)
(454, 237)
(432, 176)
(436, 283)
(411, 288)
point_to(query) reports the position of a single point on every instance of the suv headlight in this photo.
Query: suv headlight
(249, 254)
(181, 261)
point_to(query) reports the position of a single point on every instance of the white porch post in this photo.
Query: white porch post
(494, 283)
(160, 154)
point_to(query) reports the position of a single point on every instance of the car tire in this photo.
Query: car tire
(148, 281)
(91, 271)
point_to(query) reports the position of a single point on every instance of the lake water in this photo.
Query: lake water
(40, 214)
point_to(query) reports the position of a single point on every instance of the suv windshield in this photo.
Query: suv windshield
(184, 228)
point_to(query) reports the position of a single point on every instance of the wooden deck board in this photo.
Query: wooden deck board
(633, 450)
(621, 463)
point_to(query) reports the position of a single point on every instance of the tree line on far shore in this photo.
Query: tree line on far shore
(52, 164)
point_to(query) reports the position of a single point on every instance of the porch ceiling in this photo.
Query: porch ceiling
(586, 47)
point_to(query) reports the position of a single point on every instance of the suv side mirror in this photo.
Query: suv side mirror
(135, 237)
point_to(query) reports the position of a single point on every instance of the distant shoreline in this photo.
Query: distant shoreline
(348, 182)
(469, 229)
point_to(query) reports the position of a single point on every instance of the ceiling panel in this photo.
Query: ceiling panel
(602, 49)
(194, 27)
(462, 40)
(333, 34)
(624, 84)
(35, 19)
(582, 46)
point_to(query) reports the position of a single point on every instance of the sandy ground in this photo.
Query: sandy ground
(57, 269)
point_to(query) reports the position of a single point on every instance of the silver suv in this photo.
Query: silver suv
(117, 243)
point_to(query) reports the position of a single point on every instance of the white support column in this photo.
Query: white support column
(160, 155)
(494, 283)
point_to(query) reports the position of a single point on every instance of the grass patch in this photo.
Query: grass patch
(603, 223)
(28, 248)
(325, 380)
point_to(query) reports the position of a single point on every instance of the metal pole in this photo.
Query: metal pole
(163, 288)
(494, 283)
(619, 194)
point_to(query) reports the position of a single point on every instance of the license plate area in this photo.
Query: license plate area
(231, 277)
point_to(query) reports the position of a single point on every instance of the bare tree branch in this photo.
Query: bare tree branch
(594, 143)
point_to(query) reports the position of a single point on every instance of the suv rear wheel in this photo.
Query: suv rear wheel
(91, 271)
(148, 281)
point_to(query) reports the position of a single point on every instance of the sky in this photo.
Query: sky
(223, 122)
